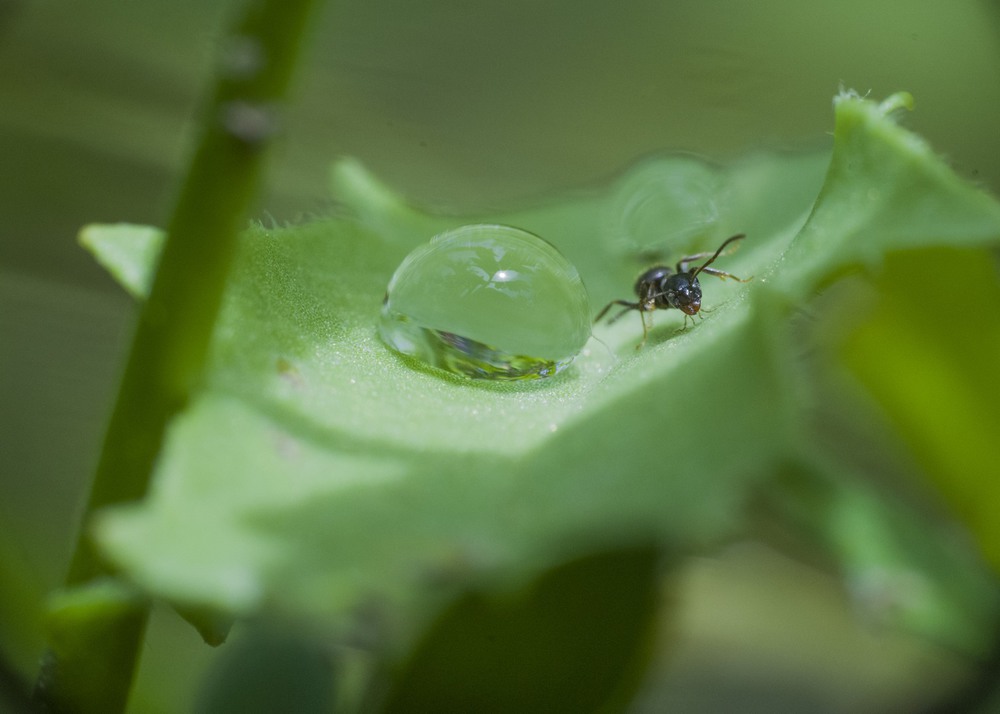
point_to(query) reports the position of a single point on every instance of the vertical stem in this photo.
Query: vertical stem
(169, 348)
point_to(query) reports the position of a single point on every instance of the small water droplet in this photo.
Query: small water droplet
(487, 302)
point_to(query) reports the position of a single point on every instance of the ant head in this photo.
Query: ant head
(682, 291)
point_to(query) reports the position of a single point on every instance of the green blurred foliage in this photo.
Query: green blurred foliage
(928, 349)
(270, 671)
(104, 611)
(574, 640)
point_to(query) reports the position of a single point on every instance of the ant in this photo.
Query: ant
(662, 288)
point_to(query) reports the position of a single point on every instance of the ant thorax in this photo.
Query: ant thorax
(650, 288)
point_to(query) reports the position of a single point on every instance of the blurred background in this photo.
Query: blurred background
(461, 106)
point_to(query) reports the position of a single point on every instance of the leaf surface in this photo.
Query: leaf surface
(318, 469)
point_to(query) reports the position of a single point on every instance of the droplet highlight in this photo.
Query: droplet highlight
(487, 302)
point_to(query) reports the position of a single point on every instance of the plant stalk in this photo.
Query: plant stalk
(94, 645)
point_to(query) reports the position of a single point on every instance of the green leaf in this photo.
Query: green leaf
(73, 678)
(270, 672)
(317, 468)
(127, 251)
(931, 360)
(885, 190)
(312, 439)
(900, 570)
(574, 640)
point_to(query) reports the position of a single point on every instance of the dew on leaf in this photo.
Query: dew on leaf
(665, 203)
(487, 302)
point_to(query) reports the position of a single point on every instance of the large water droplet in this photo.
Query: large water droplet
(487, 302)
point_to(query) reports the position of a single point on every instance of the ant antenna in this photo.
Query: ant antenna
(722, 247)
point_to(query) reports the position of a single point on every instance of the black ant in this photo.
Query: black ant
(662, 288)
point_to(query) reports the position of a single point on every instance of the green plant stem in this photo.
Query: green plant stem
(170, 345)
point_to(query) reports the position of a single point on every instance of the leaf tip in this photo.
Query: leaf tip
(896, 103)
(893, 104)
(125, 250)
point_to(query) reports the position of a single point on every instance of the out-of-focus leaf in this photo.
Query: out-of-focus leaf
(270, 672)
(574, 640)
(105, 611)
(928, 348)
(901, 570)
(126, 251)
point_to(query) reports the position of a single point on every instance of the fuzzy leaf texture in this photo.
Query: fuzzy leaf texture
(317, 469)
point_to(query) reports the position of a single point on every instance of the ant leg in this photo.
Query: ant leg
(628, 306)
(693, 318)
(724, 275)
(645, 330)
(614, 319)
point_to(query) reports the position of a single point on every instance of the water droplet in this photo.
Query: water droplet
(665, 202)
(487, 302)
